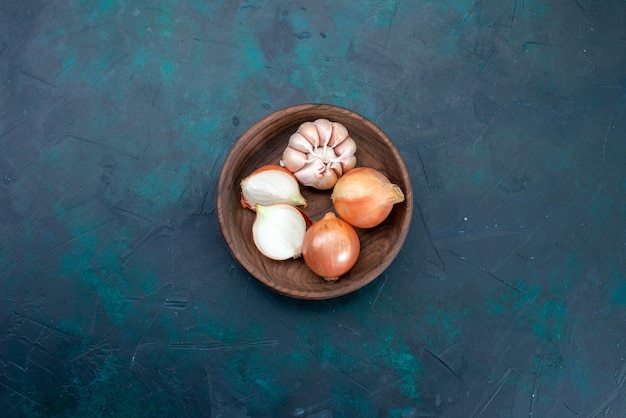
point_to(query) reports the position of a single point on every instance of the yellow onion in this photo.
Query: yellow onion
(364, 197)
(331, 247)
(268, 185)
(278, 231)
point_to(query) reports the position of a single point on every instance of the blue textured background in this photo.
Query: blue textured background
(118, 296)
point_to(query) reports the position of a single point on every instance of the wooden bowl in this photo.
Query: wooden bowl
(263, 144)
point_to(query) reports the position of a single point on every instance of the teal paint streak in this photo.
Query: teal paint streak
(168, 71)
(401, 412)
(617, 279)
(298, 360)
(572, 262)
(445, 324)
(383, 13)
(618, 295)
(601, 207)
(222, 330)
(93, 11)
(52, 38)
(253, 66)
(399, 358)
(460, 8)
(497, 306)
(98, 264)
(78, 264)
(551, 322)
(579, 373)
(73, 327)
(548, 310)
(300, 21)
(161, 188)
(478, 177)
(105, 5)
(536, 8)
(544, 313)
(138, 57)
(355, 405)
(107, 388)
(250, 370)
(562, 160)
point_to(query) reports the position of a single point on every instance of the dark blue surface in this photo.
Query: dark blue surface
(118, 296)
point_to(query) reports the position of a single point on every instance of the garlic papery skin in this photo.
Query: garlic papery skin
(278, 231)
(320, 152)
(269, 185)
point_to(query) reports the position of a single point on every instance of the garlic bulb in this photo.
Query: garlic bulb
(319, 152)
(278, 231)
(269, 185)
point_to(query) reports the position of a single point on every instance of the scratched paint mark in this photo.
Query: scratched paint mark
(384, 12)
(246, 361)
(103, 387)
(111, 297)
(536, 8)
(97, 265)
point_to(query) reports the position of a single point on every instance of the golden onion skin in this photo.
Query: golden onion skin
(331, 247)
(364, 197)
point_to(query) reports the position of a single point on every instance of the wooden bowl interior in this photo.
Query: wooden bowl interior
(263, 144)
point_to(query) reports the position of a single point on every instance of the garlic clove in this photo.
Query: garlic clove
(317, 174)
(307, 174)
(348, 164)
(340, 133)
(324, 130)
(309, 131)
(299, 142)
(345, 154)
(337, 168)
(345, 149)
(293, 160)
(329, 155)
(278, 231)
(269, 185)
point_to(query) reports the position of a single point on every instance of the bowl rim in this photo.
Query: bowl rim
(255, 272)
